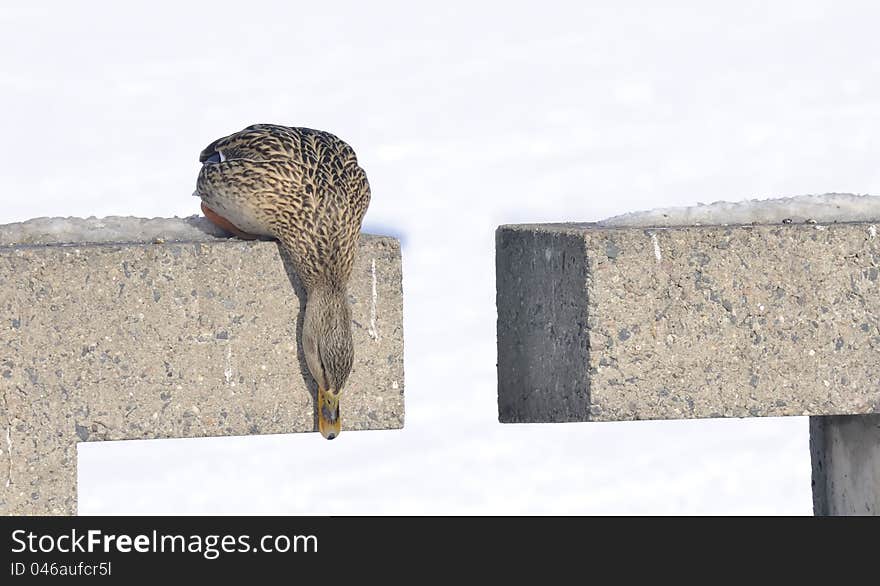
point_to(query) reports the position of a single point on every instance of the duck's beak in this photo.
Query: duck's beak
(329, 422)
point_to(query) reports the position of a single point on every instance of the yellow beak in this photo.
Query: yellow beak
(329, 422)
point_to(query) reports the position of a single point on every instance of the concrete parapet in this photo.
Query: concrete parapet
(610, 324)
(845, 452)
(163, 339)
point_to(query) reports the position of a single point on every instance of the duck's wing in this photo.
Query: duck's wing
(258, 142)
(322, 165)
(302, 186)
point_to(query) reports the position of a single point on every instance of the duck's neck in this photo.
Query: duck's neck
(327, 321)
(332, 298)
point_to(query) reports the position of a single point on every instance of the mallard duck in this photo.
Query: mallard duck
(305, 188)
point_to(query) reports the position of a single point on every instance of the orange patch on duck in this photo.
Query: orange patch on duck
(225, 224)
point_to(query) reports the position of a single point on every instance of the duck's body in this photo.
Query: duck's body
(305, 188)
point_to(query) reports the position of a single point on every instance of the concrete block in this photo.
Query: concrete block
(845, 452)
(192, 338)
(610, 324)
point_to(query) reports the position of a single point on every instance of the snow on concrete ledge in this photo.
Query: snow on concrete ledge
(602, 323)
(828, 208)
(174, 332)
(117, 229)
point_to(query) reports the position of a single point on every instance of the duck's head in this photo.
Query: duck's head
(329, 352)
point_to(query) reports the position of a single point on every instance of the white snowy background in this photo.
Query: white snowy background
(465, 115)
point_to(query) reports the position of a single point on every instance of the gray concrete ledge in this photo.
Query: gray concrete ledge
(610, 324)
(175, 339)
(845, 452)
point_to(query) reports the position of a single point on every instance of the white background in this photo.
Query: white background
(465, 115)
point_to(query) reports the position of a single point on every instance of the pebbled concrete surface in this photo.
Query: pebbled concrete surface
(610, 324)
(175, 339)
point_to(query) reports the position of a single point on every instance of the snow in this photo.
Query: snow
(109, 229)
(465, 116)
(823, 209)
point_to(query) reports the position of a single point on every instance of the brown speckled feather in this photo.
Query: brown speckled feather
(299, 185)
(305, 188)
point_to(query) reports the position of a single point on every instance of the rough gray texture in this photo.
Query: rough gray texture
(609, 324)
(846, 464)
(187, 339)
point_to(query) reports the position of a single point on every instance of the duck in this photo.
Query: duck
(305, 189)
